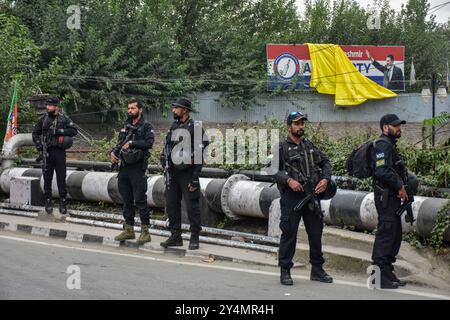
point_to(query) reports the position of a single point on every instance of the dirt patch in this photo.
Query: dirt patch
(440, 262)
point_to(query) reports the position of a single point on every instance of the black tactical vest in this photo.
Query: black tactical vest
(49, 124)
(189, 126)
(302, 161)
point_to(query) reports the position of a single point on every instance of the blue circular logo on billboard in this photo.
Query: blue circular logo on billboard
(286, 66)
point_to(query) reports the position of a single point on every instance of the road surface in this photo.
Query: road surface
(36, 268)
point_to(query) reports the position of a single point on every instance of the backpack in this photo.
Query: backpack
(360, 164)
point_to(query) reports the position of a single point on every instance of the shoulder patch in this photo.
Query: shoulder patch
(379, 155)
(380, 162)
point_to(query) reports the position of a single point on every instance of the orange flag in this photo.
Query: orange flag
(11, 128)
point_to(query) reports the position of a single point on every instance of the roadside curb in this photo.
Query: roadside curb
(150, 247)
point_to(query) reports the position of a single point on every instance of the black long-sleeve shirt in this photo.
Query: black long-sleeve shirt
(142, 137)
(281, 176)
(197, 147)
(387, 167)
(54, 126)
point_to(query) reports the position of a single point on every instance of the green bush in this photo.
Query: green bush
(436, 240)
(101, 150)
(432, 165)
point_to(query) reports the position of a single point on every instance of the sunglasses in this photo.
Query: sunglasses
(296, 113)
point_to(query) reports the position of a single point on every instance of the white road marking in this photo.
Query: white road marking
(341, 282)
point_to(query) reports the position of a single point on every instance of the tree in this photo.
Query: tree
(20, 56)
(157, 50)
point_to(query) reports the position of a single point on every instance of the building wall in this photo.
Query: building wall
(319, 107)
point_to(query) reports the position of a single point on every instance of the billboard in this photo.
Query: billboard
(289, 66)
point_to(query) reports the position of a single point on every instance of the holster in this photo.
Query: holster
(384, 196)
(302, 202)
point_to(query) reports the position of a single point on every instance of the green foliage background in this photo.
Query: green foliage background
(159, 49)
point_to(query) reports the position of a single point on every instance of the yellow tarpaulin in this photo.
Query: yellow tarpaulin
(333, 73)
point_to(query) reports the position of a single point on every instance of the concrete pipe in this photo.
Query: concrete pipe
(242, 197)
(238, 197)
(8, 174)
(345, 209)
(427, 218)
(210, 210)
(9, 150)
(211, 189)
(103, 186)
(356, 208)
(155, 191)
(97, 186)
(208, 172)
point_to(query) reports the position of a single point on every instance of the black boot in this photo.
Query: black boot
(285, 277)
(318, 274)
(174, 240)
(194, 242)
(48, 206)
(394, 278)
(62, 206)
(386, 280)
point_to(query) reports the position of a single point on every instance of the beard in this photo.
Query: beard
(133, 116)
(51, 113)
(298, 133)
(395, 135)
(176, 116)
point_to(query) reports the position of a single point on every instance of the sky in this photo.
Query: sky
(442, 15)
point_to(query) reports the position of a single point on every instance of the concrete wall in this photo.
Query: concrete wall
(319, 107)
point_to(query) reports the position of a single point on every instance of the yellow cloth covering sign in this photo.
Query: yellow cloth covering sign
(333, 73)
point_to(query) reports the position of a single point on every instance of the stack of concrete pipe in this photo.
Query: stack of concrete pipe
(236, 197)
